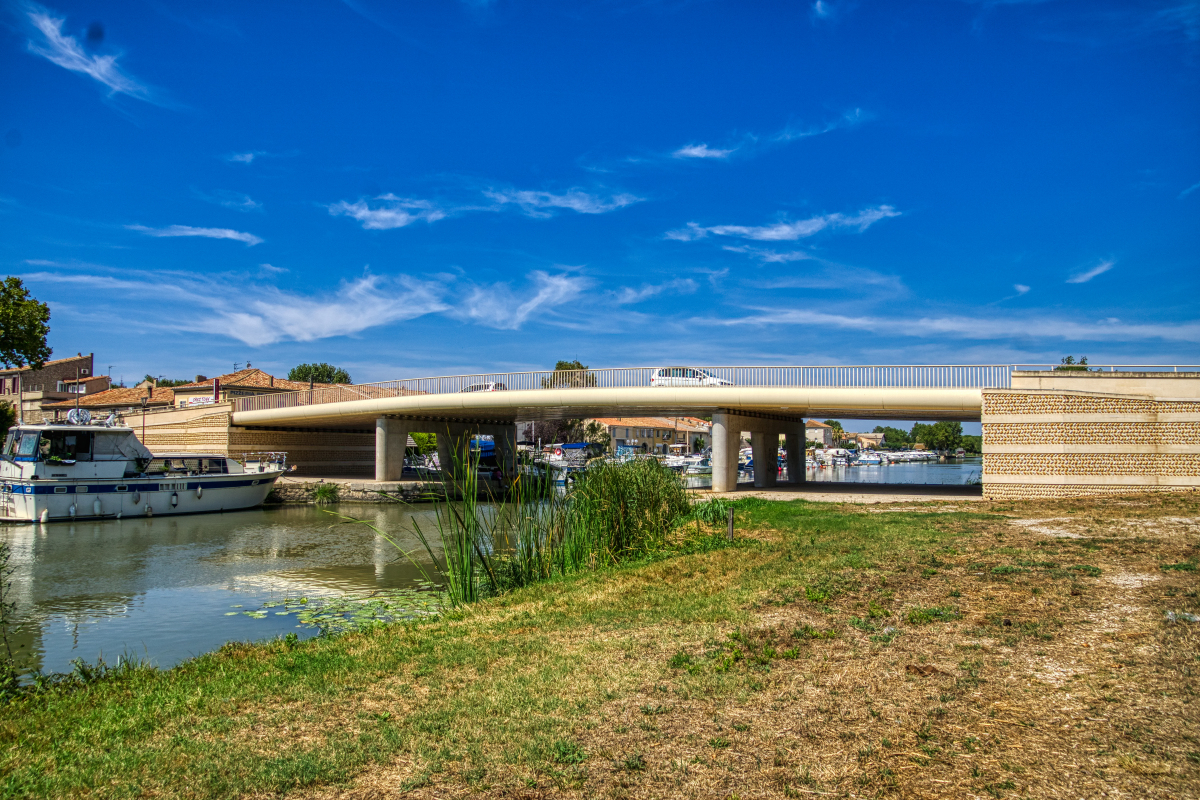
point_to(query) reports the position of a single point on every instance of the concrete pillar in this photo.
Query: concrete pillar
(795, 457)
(766, 459)
(453, 443)
(506, 450)
(391, 437)
(726, 435)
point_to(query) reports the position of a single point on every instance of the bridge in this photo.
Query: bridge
(769, 401)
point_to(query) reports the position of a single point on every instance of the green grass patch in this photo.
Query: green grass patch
(923, 615)
(1182, 566)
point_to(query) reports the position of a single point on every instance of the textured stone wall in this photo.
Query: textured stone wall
(341, 454)
(1058, 443)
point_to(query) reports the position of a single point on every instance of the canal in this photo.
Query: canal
(165, 589)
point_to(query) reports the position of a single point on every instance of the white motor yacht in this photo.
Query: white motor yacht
(52, 472)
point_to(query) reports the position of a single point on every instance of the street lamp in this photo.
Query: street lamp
(145, 399)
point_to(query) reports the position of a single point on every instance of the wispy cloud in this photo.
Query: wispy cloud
(208, 233)
(701, 151)
(388, 211)
(244, 158)
(499, 306)
(1020, 288)
(51, 43)
(1087, 274)
(544, 204)
(769, 256)
(232, 200)
(1189, 190)
(973, 327)
(630, 296)
(822, 9)
(787, 231)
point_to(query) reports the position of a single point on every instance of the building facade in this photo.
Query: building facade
(818, 432)
(657, 434)
(31, 391)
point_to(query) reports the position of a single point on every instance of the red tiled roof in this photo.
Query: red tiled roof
(10, 370)
(654, 422)
(118, 398)
(812, 423)
(255, 378)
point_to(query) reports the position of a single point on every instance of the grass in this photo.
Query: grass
(682, 674)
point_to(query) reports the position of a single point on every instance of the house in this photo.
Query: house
(243, 383)
(120, 400)
(818, 432)
(657, 434)
(869, 441)
(33, 390)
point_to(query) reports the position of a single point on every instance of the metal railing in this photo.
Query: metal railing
(1106, 368)
(865, 377)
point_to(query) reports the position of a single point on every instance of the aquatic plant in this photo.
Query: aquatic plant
(8, 661)
(326, 494)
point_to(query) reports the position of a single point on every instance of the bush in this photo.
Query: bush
(325, 494)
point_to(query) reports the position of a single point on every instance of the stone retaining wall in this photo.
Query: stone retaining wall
(1044, 443)
(403, 491)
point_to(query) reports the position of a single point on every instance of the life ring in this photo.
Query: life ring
(558, 451)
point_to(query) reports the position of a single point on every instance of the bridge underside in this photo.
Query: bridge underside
(583, 403)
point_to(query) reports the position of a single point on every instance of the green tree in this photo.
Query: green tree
(972, 444)
(426, 442)
(596, 433)
(945, 435)
(8, 417)
(839, 435)
(569, 374)
(167, 382)
(24, 325)
(319, 373)
(893, 437)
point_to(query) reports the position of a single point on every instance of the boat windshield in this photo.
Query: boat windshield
(66, 445)
(22, 444)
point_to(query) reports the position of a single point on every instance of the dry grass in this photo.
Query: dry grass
(1052, 681)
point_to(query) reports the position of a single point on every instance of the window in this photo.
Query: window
(84, 371)
(66, 445)
(28, 445)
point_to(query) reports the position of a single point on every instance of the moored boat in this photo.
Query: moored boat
(52, 472)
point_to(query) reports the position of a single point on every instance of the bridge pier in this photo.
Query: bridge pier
(765, 447)
(391, 438)
(764, 440)
(795, 443)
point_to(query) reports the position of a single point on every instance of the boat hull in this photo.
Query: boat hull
(27, 501)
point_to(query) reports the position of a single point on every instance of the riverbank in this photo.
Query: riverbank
(1005, 649)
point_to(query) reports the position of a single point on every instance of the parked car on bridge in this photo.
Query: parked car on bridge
(484, 387)
(685, 376)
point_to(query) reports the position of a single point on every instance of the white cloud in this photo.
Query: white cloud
(389, 212)
(1020, 288)
(822, 9)
(543, 204)
(498, 306)
(208, 233)
(243, 158)
(1042, 326)
(67, 53)
(701, 151)
(1189, 190)
(769, 256)
(1088, 274)
(232, 200)
(629, 296)
(787, 231)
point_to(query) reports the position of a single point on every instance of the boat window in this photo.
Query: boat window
(29, 444)
(10, 442)
(213, 466)
(66, 445)
(156, 465)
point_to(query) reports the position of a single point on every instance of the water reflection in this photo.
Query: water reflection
(949, 473)
(160, 588)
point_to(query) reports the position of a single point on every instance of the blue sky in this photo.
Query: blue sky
(434, 188)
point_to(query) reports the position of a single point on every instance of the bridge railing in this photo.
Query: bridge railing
(866, 377)
(1106, 367)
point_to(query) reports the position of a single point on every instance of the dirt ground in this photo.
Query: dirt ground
(1036, 658)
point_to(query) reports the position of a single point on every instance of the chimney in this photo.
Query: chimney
(272, 381)
(150, 391)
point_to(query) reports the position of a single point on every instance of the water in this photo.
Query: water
(952, 473)
(160, 588)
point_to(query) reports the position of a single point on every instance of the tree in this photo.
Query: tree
(569, 374)
(319, 373)
(697, 444)
(837, 433)
(972, 444)
(167, 382)
(8, 417)
(426, 442)
(596, 433)
(23, 326)
(1069, 364)
(944, 435)
(893, 437)
(553, 431)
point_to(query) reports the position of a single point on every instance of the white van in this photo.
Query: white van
(685, 376)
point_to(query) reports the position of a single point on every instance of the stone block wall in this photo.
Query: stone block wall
(1061, 443)
(208, 430)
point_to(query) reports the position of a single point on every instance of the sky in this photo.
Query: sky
(434, 188)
